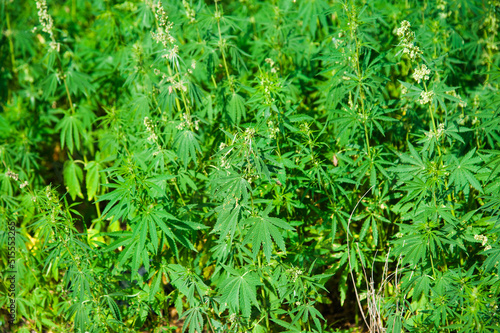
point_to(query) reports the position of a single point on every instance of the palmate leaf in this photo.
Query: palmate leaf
(145, 237)
(227, 221)
(114, 308)
(312, 13)
(174, 229)
(188, 283)
(132, 247)
(262, 229)
(71, 128)
(415, 249)
(307, 310)
(49, 85)
(492, 259)
(239, 292)
(79, 313)
(236, 108)
(120, 199)
(421, 285)
(463, 171)
(377, 116)
(291, 328)
(78, 82)
(187, 145)
(234, 184)
(194, 320)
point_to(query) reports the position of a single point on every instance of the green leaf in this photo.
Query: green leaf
(239, 291)
(236, 108)
(114, 308)
(261, 231)
(71, 129)
(227, 221)
(49, 85)
(73, 176)
(194, 319)
(92, 179)
(187, 145)
(78, 82)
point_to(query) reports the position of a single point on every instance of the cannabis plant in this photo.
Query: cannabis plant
(250, 166)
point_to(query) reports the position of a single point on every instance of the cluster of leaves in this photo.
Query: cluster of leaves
(195, 164)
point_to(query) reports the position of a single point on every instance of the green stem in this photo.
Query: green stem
(209, 323)
(11, 45)
(432, 265)
(264, 299)
(433, 122)
(361, 97)
(367, 140)
(179, 192)
(222, 50)
(98, 210)
(69, 96)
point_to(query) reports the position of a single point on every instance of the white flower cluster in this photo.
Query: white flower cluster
(172, 55)
(440, 130)
(190, 13)
(158, 73)
(187, 122)
(15, 176)
(406, 40)
(463, 119)
(338, 41)
(12, 175)
(481, 238)
(249, 133)
(295, 272)
(174, 84)
(252, 177)
(404, 30)
(426, 97)
(44, 18)
(271, 63)
(484, 240)
(150, 127)
(163, 35)
(437, 134)
(272, 130)
(46, 22)
(421, 73)
(441, 5)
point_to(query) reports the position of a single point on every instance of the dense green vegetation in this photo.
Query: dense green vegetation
(250, 166)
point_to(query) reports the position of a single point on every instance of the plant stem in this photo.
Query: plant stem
(179, 192)
(69, 96)
(222, 48)
(11, 45)
(434, 128)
